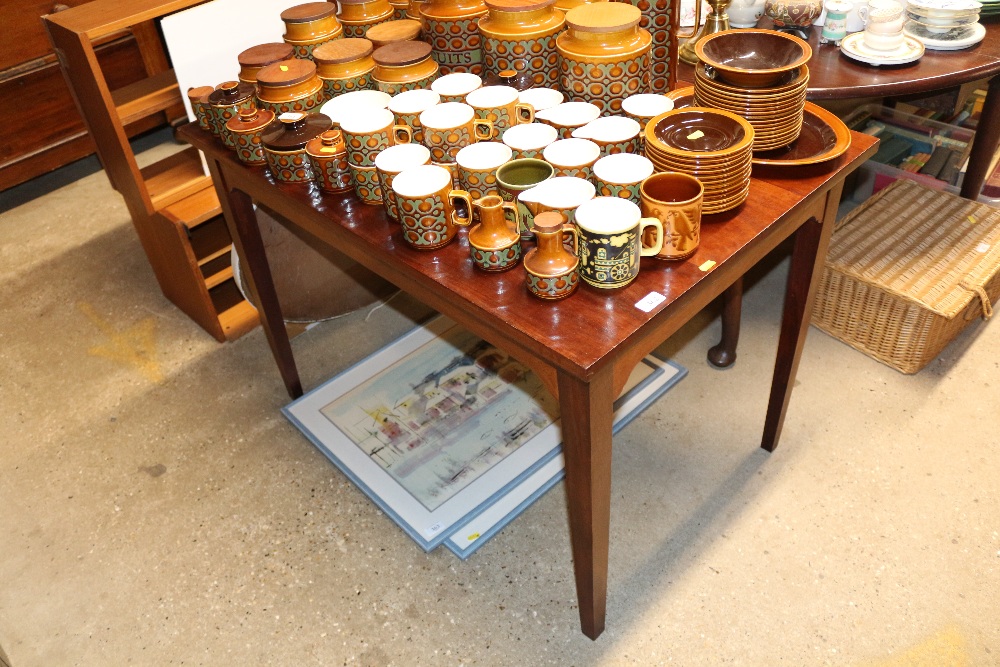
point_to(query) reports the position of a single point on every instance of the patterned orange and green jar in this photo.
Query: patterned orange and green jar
(200, 106)
(291, 86)
(520, 35)
(258, 57)
(226, 102)
(246, 130)
(451, 28)
(404, 66)
(328, 154)
(285, 145)
(345, 65)
(566, 5)
(359, 15)
(413, 10)
(399, 9)
(309, 25)
(605, 55)
(660, 18)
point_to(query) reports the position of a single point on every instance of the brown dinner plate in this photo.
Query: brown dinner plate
(823, 137)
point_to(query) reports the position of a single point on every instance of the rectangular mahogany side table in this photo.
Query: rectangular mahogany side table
(583, 348)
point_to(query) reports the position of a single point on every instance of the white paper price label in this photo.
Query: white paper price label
(650, 301)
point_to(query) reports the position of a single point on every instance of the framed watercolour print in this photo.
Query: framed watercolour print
(435, 428)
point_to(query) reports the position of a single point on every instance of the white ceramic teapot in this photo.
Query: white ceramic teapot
(745, 13)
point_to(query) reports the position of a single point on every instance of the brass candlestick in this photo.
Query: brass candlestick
(717, 20)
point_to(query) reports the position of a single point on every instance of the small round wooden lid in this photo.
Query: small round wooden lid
(518, 5)
(343, 50)
(294, 130)
(311, 11)
(603, 17)
(199, 93)
(287, 72)
(265, 54)
(402, 53)
(400, 30)
(548, 221)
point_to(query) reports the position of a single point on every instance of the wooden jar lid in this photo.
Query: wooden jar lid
(401, 53)
(199, 93)
(344, 50)
(603, 17)
(311, 11)
(287, 72)
(390, 32)
(265, 54)
(518, 5)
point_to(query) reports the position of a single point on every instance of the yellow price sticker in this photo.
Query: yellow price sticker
(283, 68)
(697, 134)
(707, 266)
(328, 149)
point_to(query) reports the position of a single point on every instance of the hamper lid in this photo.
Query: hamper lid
(310, 11)
(402, 53)
(286, 72)
(926, 246)
(342, 51)
(265, 54)
(603, 17)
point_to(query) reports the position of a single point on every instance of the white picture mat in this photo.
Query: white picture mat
(427, 528)
(650, 379)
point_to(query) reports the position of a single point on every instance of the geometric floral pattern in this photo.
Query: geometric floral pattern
(333, 173)
(290, 167)
(223, 114)
(363, 148)
(553, 287)
(605, 84)
(333, 87)
(249, 148)
(658, 18)
(301, 105)
(539, 57)
(457, 44)
(425, 222)
(499, 259)
(366, 185)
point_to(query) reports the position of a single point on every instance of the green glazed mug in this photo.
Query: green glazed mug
(517, 176)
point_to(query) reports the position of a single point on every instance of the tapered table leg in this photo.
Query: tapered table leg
(723, 355)
(586, 410)
(808, 255)
(238, 208)
(985, 144)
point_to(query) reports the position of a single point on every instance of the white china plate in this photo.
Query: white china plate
(909, 51)
(957, 38)
(946, 5)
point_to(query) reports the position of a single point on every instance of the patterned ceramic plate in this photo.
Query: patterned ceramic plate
(909, 51)
(954, 39)
(946, 5)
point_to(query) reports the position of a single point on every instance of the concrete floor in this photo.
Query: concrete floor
(157, 509)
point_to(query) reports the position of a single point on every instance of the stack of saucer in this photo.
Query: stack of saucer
(945, 25)
(760, 75)
(774, 112)
(712, 145)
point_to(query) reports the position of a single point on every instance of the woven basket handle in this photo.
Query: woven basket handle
(984, 300)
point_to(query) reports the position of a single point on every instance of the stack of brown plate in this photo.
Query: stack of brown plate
(712, 145)
(760, 75)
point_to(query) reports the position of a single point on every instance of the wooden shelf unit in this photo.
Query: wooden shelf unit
(173, 204)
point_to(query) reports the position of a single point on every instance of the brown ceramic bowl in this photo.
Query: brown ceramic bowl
(753, 58)
(707, 132)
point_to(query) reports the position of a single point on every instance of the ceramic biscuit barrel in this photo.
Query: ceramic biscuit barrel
(226, 101)
(357, 16)
(519, 39)
(309, 25)
(257, 57)
(404, 66)
(605, 55)
(285, 145)
(345, 65)
(290, 86)
(451, 28)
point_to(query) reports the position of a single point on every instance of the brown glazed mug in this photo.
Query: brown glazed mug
(675, 199)
(426, 212)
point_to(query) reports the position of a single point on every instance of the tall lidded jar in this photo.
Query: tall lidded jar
(450, 27)
(309, 25)
(359, 15)
(605, 54)
(520, 35)
(290, 86)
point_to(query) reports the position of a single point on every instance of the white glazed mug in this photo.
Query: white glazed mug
(393, 161)
(530, 139)
(614, 134)
(540, 99)
(568, 116)
(611, 241)
(477, 167)
(572, 157)
(455, 86)
(621, 175)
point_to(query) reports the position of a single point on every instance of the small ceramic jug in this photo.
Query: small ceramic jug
(835, 25)
(551, 269)
(495, 243)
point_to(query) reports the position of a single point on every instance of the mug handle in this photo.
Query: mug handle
(863, 14)
(524, 113)
(482, 129)
(569, 228)
(461, 204)
(511, 215)
(657, 246)
(402, 134)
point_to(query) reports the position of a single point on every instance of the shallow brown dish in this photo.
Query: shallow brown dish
(823, 137)
(752, 58)
(706, 132)
(682, 97)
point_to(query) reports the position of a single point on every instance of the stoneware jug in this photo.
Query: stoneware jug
(551, 269)
(495, 243)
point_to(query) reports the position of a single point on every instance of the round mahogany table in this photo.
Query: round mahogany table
(834, 76)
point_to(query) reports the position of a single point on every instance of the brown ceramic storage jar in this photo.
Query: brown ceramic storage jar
(450, 27)
(246, 130)
(605, 54)
(357, 16)
(345, 65)
(520, 35)
(290, 86)
(198, 97)
(226, 101)
(256, 57)
(413, 10)
(399, 9)
(328, 154)
(309, 25)
(390, 32)
(404, 66)
(285, 145)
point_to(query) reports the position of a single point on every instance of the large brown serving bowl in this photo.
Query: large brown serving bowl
(752, 58)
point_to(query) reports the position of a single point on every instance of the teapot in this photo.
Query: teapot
(745, 13)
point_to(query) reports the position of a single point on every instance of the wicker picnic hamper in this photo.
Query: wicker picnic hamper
(907, 271)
